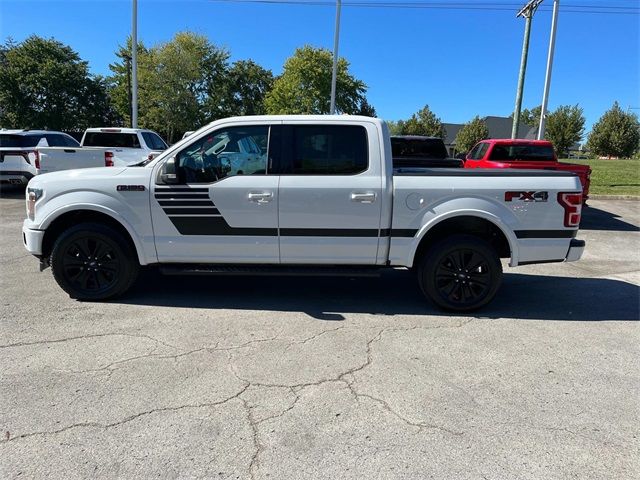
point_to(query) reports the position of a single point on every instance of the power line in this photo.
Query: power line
(570, 8)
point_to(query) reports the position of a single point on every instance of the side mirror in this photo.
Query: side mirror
(168, 173)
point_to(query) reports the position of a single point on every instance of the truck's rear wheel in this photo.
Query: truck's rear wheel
(91, 261)
(461, 273)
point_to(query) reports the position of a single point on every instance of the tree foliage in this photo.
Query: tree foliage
(470, 134)
(531, 117)
(305, 85)
(564, 127)
(423, 122)
(246, 87)
(45, 84)
(615, 134)
(181, 84)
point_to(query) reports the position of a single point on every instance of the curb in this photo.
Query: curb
(613, 197)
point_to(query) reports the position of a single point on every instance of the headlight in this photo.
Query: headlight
(33, 195)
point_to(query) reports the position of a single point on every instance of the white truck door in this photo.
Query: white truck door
(214, 214)
(330, 193)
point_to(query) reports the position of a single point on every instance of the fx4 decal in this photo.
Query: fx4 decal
(526, 196)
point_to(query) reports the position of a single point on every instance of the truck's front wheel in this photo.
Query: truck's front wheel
(91, 261)
(460, 273)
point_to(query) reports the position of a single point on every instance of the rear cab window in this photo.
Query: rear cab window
(418, 148)
(19, 141)
(153, 141)
(111, 139)
(324, 149)
(522, 152)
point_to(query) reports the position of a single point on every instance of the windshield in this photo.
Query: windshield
(19, 141)
(522, 153)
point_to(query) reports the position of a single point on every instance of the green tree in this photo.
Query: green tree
(564, 127)
(615, 134)
(247, 85)
(366, 109)
(470, 134)
(181, 84)
(45, 84)
(531, 117)
(395, 128)
(423, 122)
(305, 85)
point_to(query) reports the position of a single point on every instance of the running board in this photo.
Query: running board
(267, 270)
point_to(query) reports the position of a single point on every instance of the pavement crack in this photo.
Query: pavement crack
(85, 337)
(128, 419)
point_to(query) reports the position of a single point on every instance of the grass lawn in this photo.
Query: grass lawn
(613, 177)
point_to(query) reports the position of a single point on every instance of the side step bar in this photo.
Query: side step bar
(268, 270)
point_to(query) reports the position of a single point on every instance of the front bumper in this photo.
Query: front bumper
(576, 248)
(32, 239)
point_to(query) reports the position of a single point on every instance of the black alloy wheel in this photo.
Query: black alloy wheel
(93, 262)
(461, 273)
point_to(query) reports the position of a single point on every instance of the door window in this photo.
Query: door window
(325, 149)
(153, 141)
(220, 154)
(478, 151)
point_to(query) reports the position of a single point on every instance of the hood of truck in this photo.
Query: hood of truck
(90, 176)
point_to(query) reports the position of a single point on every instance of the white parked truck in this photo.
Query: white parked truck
(322, 196)
(129, 145)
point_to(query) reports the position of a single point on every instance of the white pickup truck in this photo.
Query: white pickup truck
(322, 196)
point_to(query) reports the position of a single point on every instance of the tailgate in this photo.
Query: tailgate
(53, 159)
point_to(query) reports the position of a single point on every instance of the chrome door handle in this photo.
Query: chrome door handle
(365, 197)
(260, 197)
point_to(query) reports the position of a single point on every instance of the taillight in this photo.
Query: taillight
(37, 160)
(108, 159)
(572, 204)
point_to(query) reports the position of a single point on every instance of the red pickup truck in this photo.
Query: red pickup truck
(529, 154)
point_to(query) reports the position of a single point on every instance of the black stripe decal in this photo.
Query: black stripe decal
(180, 196)
(191, 211)
(181, 189)
(401, 232)
(217, 226)
(328, 232)
(186, 203)
(546, 233)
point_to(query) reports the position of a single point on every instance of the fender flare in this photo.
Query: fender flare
(55, 214)
(490, 217)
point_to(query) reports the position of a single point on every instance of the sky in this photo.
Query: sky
(461, 62)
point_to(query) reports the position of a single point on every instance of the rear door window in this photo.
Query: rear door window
(325, 150)
(478, 151)
(111, 139)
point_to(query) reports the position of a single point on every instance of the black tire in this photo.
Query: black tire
(91, 261)
(460, 273)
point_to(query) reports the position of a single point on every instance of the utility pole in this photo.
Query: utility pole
(134, 66)
(127, 62)
(334, 72)
(527, 12)
(547, 78)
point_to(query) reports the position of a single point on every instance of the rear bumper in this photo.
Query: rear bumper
(32, 240)
(576, 248)
(15, 177)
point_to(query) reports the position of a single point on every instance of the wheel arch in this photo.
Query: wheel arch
(57, 224)
(471, 222)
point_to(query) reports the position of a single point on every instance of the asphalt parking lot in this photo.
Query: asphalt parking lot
(290, 378)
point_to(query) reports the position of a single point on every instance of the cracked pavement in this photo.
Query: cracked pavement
(309, 378)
